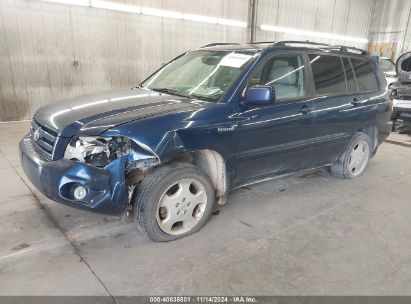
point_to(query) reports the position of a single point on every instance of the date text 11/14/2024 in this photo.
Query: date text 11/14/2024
(204, 299)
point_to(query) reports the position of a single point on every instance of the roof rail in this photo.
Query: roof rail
(283, 43)
(341, 48)
(344, 48)
(263, 42)
(219, 43)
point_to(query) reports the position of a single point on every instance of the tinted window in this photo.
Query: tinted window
(285, 73)
(328, 74)
(387, 65)
(366, 78)
(351, 85)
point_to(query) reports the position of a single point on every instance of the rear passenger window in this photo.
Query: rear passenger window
(285, 73)
(351, 85)
(366, 79)
(328, 74)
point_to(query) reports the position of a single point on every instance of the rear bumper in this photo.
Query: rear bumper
(106, 188)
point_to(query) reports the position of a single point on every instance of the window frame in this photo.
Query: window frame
(307, 79)
(353, 73)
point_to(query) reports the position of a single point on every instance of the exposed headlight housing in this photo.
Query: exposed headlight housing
(97, 151)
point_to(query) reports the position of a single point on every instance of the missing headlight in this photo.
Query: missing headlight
(97, 151)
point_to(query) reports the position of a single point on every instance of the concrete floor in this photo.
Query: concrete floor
(311, 235)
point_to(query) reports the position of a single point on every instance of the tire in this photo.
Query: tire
(349, 165)
(173, 202)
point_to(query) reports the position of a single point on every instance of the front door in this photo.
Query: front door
(276, 139)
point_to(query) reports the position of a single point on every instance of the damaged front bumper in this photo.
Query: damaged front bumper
(106, 189)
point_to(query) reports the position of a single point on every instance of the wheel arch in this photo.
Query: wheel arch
(372, 131)
(212, 163)
(209, 161)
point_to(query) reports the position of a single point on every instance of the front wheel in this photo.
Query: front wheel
(353, 162)
(173, 201)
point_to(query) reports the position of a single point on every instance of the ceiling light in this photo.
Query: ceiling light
(110, 5)
(232, 22)
(161, 13)
(199, 18)
(115, 6)
(292, 31)
(71, 2)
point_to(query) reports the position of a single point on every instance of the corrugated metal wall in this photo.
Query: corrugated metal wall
(52, 51)
(391, 23)
(341, 17)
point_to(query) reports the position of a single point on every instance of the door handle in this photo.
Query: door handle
(305, 109)
(355, 102)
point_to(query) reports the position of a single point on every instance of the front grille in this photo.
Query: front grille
(43, 138)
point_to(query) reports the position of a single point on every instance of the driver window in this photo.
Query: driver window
(285, 73)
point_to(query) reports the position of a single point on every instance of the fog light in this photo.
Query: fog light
(80, 192)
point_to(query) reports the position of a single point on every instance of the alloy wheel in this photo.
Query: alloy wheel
(181, 207)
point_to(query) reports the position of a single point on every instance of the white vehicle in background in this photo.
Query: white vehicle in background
(401, 90)
(388, 67)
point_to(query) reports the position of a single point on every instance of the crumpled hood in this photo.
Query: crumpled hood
(101, 111)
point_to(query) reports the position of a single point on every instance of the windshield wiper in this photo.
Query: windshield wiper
(206, 98)
(170, 91)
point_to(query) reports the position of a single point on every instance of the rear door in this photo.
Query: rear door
(338, 105)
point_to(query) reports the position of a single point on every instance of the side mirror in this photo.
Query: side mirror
(259, 95)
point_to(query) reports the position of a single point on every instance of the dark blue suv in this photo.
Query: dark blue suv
(213, 119)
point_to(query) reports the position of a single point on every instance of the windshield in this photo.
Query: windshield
(387, 65)
(201, 74)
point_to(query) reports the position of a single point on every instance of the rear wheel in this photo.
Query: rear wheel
(173, 201)
(355, 159)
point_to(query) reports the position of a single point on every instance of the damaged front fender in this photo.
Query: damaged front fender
(140, 157)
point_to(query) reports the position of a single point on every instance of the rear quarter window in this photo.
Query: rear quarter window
(366, 78)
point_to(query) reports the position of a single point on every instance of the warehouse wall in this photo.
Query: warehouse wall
(341, 17)
(53, 51)
(390, 27)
